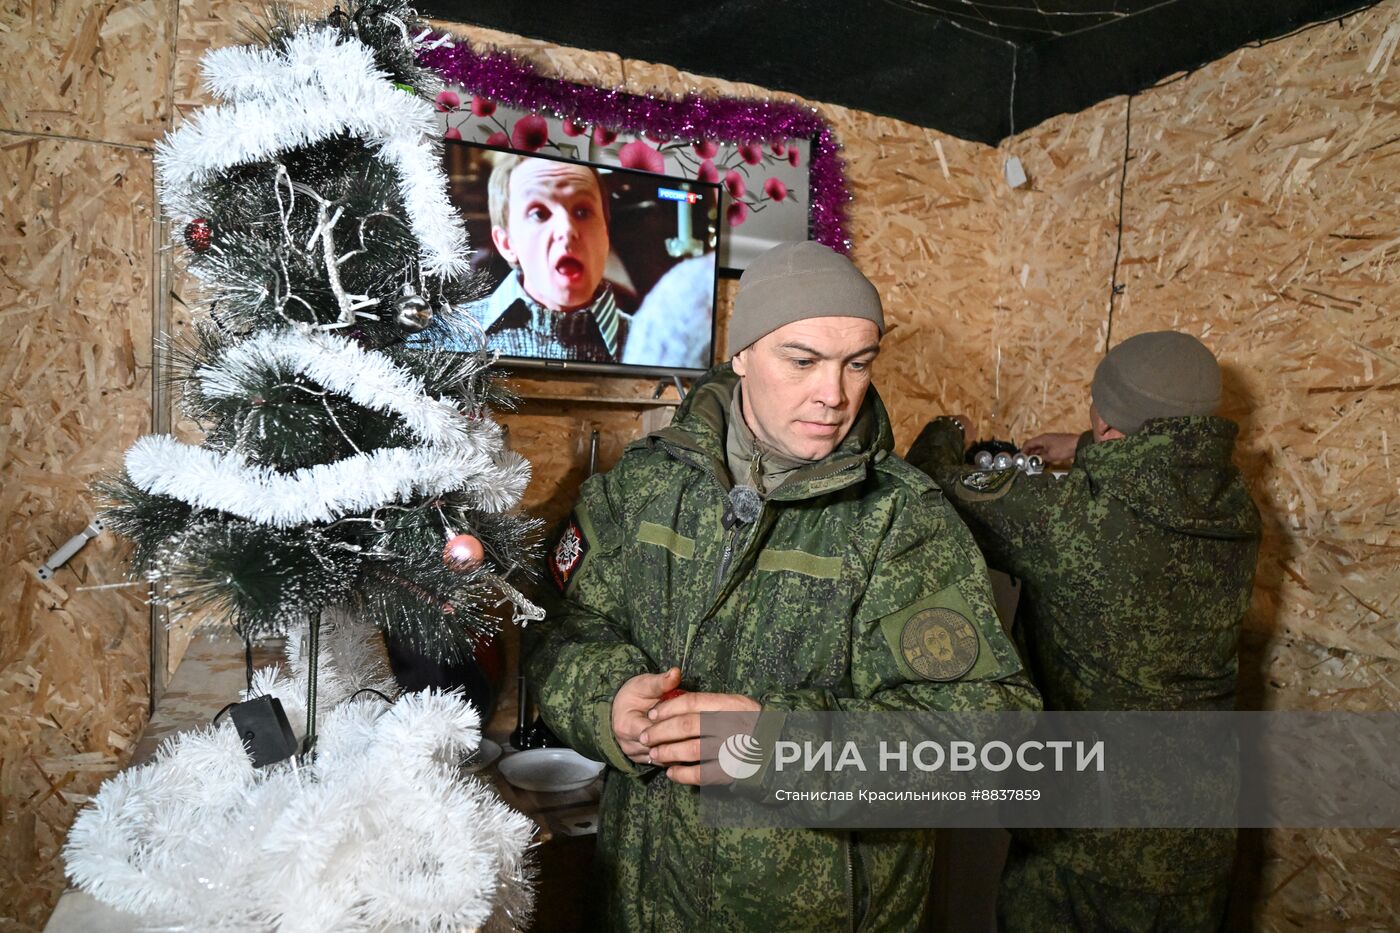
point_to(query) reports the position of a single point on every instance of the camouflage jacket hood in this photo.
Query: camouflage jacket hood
(803, 610)
(1176, 473)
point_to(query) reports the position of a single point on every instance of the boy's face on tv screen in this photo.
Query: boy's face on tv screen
(555, 232)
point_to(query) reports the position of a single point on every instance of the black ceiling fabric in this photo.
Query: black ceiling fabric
(978, 69)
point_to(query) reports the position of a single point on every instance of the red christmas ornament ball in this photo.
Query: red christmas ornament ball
(198, 234)
(463, 552)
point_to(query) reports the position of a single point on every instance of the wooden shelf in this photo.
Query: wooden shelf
(580, 389)
(578, 399)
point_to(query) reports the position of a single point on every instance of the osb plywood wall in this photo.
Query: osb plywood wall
(1261, 205)
(81, 107)
(1259, 212)
(88, 92)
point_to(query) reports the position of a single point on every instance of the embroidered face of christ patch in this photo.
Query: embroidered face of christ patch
(567, 553)
(939, 644)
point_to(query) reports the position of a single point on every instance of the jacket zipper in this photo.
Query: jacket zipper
(699, 461)
(851, 881)
(730, 536)
(859, 905)
(726, 556)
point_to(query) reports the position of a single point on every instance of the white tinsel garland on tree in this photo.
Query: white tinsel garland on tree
(380, 831)
(226, 482)
(339, 365)
(321, 85)
(454, 446)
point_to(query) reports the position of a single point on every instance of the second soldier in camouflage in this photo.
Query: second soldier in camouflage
(1137, 568)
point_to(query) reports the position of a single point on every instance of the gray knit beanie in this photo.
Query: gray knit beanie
(796, 281)
(1162, 374)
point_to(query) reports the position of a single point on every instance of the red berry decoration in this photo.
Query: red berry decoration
(198, 234)
(671, 694)
(463, 552)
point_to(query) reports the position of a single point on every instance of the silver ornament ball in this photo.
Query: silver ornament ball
(412, 310)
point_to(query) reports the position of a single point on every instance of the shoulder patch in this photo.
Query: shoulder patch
(986, 484)
(939, 644)
(567, 553)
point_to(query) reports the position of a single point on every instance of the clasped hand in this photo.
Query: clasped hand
(667, 733)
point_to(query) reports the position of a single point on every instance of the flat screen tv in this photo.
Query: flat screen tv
(584, 266)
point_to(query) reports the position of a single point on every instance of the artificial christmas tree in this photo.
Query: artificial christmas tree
(348, 479)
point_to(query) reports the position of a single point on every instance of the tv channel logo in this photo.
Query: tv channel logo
(675, 194)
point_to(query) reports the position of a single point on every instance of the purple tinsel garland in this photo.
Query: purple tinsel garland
(502, 78)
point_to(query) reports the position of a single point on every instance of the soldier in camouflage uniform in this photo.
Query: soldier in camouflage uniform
(1137, 569)
(797, 602)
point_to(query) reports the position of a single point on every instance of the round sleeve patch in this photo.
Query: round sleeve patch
(939, 644)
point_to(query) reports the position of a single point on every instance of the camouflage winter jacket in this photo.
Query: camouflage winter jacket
(801, 610)
(1137, 568)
